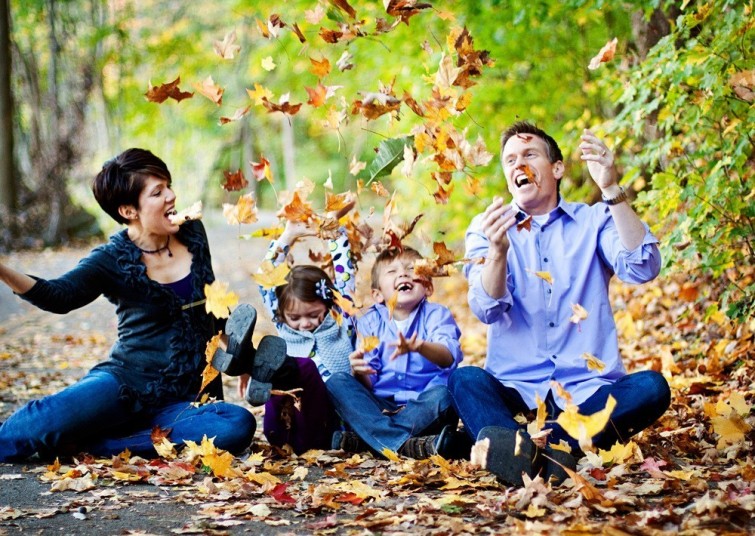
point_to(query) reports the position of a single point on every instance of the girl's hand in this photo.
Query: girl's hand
(359, 366)
(294, 231)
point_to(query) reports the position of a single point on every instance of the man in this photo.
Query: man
(544, 255)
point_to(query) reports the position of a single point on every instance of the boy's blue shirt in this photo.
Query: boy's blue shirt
(406, 376)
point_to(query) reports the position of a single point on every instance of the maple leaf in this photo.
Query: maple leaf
(193, 212)
(330, 36)
(280, 494)
(238, 114)
(170, 90)
(283, 105)
(210, 89)
(653, 467)
(314, 16)
(545, 276)
(338, 202)
(373, 105)
(561, 392)
(259, 94)
(580, 313)
(268, 63)
(261, 170)
(541, 414)
(210, 373)
(584, 427)
(219, 299)
(227, 48)
(606, 54)
(379, 189)
(296, 210)
(582, 485)
(320, 68)
(447, 72)
(525, 224)
(368, 343)
(731, 429)
(356, 166)
(317, 95)
(234, 180)
(244, 211)
(269, 276)
(593, 363)
(445, 255)
(219, 462)
(275, 24)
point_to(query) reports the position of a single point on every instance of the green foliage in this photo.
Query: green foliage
(689, 133)
(389, 153)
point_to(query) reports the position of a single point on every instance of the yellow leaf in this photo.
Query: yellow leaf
(542, 413)
(391, 304)
(593, 363)
(580, 313)
(244, 211)
(584, 427)
(165, 449)
(125, 477)
(219, 299)
(270, 276)
(619, 453)
(739, 404)
(545, 276)
(267, 232)
(345, 304)
(263, 478)
(561, 392)
(268, 64)
(210, 373)
(392, 456)
(219, 463)
(368, 343)
(259, 93)
(731, 429)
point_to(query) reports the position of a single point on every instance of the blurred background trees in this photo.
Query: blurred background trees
(676, 102)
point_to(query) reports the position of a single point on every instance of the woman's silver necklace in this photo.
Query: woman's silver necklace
(158, 250)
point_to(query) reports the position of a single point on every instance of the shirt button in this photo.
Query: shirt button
(551, 324)
(554, 356)
(545, 259)
(549, 291)
(400, 376)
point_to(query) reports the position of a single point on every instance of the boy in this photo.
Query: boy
(397, 394)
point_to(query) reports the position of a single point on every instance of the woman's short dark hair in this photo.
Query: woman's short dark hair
(305, 283)
(122, 178)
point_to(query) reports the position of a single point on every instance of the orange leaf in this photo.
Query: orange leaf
(345, 304)
(391, 304)
(283, 106)
(317, 95)
(369, 343)
(320, 68)
(606, 54)
(161, 93)
(379, 189)
(297, 210)
(244, 211)
(445, 255)
(210, 373)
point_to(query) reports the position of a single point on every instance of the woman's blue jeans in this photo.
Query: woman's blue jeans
(89, 417)
(384, 424)
(481, 400)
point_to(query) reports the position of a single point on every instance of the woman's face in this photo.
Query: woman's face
(304, 316)
(156, 202)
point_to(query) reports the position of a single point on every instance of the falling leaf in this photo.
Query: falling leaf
(479, 454)
(314, 16)
(283, 106)
(344, 62)
(580, 313)
(584, 427)
(345, 304)
(234, 180)
(525, 224)
(219, 299)
(269, 276)
(296, 210)
(262, 27)
(259, 94)
(581, 484)
(593, 363)
(243, 212)
(373, 105)
(344, 6)
(356, 166)
(606, 54)
(193, 212)
(391, 304)
(227, 48)
(368, 343)
(320, 68)
(210, 373)
(209, 89)
(170, 90)
(541, 414)
(297, 31)
(408, 166)
(238, 114)
(317, 95)
(545, 276)
(443, 195)
(268, 64)
(330, 36)
(379, 189)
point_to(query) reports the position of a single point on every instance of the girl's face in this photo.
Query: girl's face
(304, 316)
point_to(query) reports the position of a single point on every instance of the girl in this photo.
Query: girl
(321, 345)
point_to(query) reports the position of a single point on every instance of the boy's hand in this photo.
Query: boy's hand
(295, 230)
(404, 345)
(359, 365)
(243, 382)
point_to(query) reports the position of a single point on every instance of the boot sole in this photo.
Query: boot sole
(268, 358)
(239, 329)
(501, 459)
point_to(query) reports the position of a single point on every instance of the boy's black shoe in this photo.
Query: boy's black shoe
(239, 353)
(552, 461)
(511, 453)
(453, 444)
(348, 442)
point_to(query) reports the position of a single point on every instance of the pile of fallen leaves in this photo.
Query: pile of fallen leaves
(692, 471)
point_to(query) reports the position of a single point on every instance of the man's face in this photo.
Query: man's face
(530, 175)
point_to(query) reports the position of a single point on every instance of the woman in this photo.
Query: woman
(154, 272)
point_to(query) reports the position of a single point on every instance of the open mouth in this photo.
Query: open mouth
(404, 287)
(521, 180)
(171, 212)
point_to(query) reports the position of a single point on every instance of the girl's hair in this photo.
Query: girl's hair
(305, 283)
(122, 178)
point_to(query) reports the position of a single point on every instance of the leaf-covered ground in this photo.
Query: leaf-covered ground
(693, 472)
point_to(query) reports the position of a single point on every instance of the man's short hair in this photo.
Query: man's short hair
(523, 128)
(387, 256)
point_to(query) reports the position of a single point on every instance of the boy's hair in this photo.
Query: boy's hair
(305, 283)
(387, 256)
(122, 179)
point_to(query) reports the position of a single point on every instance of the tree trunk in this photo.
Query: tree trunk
(7, 168)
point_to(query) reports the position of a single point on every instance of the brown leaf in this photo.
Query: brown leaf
(330, 36)
(344, 6)
(238, 114)
(170, 90)
(234, 180)
(299, 34)
(606, 54)
(210, 89)
(284, 106)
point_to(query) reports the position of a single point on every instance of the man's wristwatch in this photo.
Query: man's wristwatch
(620, 198)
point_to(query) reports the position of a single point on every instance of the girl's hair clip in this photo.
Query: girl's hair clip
(323, 290)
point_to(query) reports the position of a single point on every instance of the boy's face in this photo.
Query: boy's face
(397, 278)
